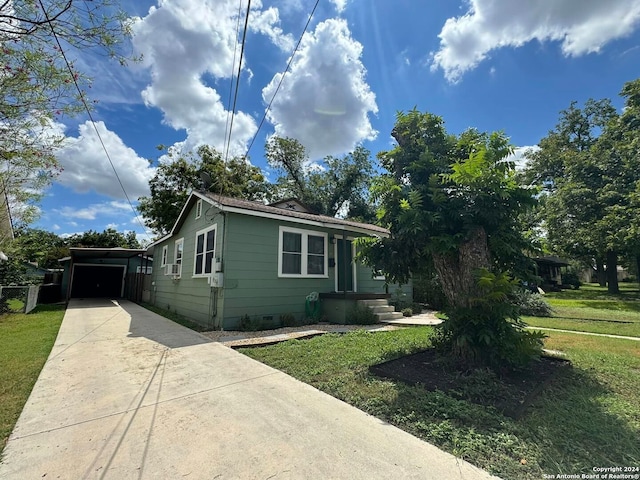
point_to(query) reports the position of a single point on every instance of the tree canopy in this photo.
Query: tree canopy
(37, 85)
(330, 187)
(176, 178)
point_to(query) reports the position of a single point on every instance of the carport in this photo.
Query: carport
(101, 272)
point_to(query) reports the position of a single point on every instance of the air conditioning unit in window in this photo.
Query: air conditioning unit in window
(173, 269)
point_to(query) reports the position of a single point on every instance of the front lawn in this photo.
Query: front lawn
(25, 343)
(592, 309)
(588, 416)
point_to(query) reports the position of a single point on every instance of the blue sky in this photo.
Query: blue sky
(489, 64)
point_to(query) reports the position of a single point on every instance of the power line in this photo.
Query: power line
(233, 66)
(235, 99)
(295, 50)
(86, 107)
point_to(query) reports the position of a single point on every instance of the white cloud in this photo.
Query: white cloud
(55, 227)
(183, 42)
(340, 5)
(324, 101)
(518, 156)
(582, 27)
(93, 211)
(87, 168)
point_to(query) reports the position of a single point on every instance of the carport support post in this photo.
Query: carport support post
(70, 279)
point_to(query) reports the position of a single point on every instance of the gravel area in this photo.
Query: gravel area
(226, 336)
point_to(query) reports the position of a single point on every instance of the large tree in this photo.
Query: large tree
(109, 238)
(330, 187)
(453, 202)
(177, 177)
(38, 86)
(588, 166)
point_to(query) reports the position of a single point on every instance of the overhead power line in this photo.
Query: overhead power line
(235, 98)
(86, 107)
(295, 50)
(233, 67)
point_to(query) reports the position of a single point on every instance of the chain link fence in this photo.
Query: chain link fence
(18, 299)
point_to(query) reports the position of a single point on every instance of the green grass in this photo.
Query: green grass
(25, 343)
(590, 416)
(15, 305)
(592, 309)
(175, 317)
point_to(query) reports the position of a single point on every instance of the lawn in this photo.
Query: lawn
(592, 309)
(588, 416)
(25, 343)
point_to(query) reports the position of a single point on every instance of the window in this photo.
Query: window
(146, 270)
(199, 208)
(205, 252)
(302, 253)
(165, 249)
(177, 254)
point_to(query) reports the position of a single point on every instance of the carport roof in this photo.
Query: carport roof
(81, 252)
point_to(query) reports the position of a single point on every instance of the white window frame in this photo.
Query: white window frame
(176, 260)
(204, 232)
(198, 208)
(304, 253)
(148, 270)
(165, 254)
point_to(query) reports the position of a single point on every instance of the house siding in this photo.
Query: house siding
(248, 247)
(189, 296)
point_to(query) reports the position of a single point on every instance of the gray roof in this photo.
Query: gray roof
(262, 208)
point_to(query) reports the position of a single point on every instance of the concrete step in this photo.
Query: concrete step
(381, 308)
(389, 316)
(373, 303)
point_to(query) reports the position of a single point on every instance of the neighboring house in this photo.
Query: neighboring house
(104, 272)
(227, 259)
(549, 268)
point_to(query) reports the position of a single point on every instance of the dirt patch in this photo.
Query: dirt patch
(510, 392)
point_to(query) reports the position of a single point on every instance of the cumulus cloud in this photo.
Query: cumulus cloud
(518, 156)
(185, 41)
(340, 5)
(93, 211)
(582, 27)
(86, 167)
(324, 101)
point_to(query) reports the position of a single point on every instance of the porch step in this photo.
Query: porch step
(381, 302)
(381, 308)
(383, 317)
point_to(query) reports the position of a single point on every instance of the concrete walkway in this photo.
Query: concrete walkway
(622, 337)
(127, 394)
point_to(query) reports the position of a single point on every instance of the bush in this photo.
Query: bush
(571, 278)
(427, 290)
(532, 304)
(416, 308)
(407, 312)
(361, 315)
(489, 333)
(288, 320)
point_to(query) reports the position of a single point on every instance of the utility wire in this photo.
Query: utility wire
(233, 66)
(86, 107)
(295, 50)
(235, 99)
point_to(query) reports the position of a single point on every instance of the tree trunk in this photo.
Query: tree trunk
(601, 275)
(612, 272)
(456, 269)
(638, 270)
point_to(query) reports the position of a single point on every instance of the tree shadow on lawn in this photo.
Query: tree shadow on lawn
(630, 305)
(565, 429)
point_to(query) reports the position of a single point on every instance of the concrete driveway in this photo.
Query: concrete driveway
(127, 394)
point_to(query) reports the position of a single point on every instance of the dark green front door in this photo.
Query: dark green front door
(345, 265)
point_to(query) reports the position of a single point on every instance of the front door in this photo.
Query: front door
(344, 266)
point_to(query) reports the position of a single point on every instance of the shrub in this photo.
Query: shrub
(532, 304)
(427, 290)
(407, 312)
(248, 324)
(416, 308)
(361, 315)
(288, 320)
(571, 278)
(489, 332)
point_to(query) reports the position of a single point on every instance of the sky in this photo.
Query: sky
(488, 64)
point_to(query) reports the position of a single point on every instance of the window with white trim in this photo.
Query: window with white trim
(204, 251)
(199, 208)
(165, 251)
(178, 249)
(302, 253)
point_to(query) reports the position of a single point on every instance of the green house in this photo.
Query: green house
(227, 259)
